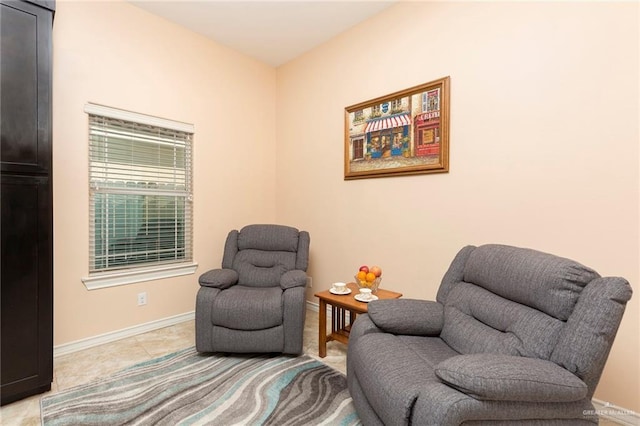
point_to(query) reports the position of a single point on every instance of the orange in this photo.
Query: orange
(370, 277)
(362, 275)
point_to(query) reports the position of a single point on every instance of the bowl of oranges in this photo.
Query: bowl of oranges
(369, 277)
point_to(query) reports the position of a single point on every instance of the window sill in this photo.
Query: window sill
(113, 279)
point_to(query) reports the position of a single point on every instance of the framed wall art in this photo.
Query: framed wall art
(404, 133)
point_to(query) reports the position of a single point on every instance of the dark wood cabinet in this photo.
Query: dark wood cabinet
(26, 204)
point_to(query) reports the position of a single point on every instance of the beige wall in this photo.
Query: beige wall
(544, 147)
(115, 54)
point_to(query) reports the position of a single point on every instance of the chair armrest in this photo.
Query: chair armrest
(219, 278)
(510, 378)
(407, 316)
(295, 278)
(362, 326)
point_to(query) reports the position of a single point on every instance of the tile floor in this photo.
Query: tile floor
(84, 366)
(89, 364)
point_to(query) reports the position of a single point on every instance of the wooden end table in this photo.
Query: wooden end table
(340, 322)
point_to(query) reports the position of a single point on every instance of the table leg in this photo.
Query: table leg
(322, 336)
(334, 320)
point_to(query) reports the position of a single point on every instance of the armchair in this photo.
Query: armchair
(256, 301)
(514, 336)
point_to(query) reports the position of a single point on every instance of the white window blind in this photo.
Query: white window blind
(140, 187)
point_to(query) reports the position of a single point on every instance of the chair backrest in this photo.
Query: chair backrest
(261, 254)
(516, 301)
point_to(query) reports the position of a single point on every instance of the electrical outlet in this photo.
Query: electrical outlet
(142, 298)
(309, 282)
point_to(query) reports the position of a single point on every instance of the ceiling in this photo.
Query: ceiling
(273, 32)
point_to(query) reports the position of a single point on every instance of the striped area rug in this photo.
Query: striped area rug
(188, 388)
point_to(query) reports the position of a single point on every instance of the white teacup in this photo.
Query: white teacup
(365, 293)
(339, 287)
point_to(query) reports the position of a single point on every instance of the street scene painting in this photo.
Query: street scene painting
(404, 133)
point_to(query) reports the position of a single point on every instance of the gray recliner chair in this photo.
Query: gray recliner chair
(256, 301)
(515, 336)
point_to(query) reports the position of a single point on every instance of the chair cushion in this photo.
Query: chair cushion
(248, 308)
(268, 237)
(543, 281)
(479, 321)
(397, 379)
(257, 268)
(394, 371)
(510, 378)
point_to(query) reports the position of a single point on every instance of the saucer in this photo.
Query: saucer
(332, 291)
(359, 298)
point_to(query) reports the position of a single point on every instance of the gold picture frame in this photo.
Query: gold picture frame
(404, 133)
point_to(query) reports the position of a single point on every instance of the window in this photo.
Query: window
(358, 149)
(140, 191)
(396, 106)
(358, 117)
(431, 100)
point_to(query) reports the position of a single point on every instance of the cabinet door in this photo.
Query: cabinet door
(25, 88)
(26, 294)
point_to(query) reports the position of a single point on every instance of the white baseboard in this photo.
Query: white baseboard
(112, 336)
(619, 415)
(313, 306)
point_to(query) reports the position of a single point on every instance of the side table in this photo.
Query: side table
(340, 321)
